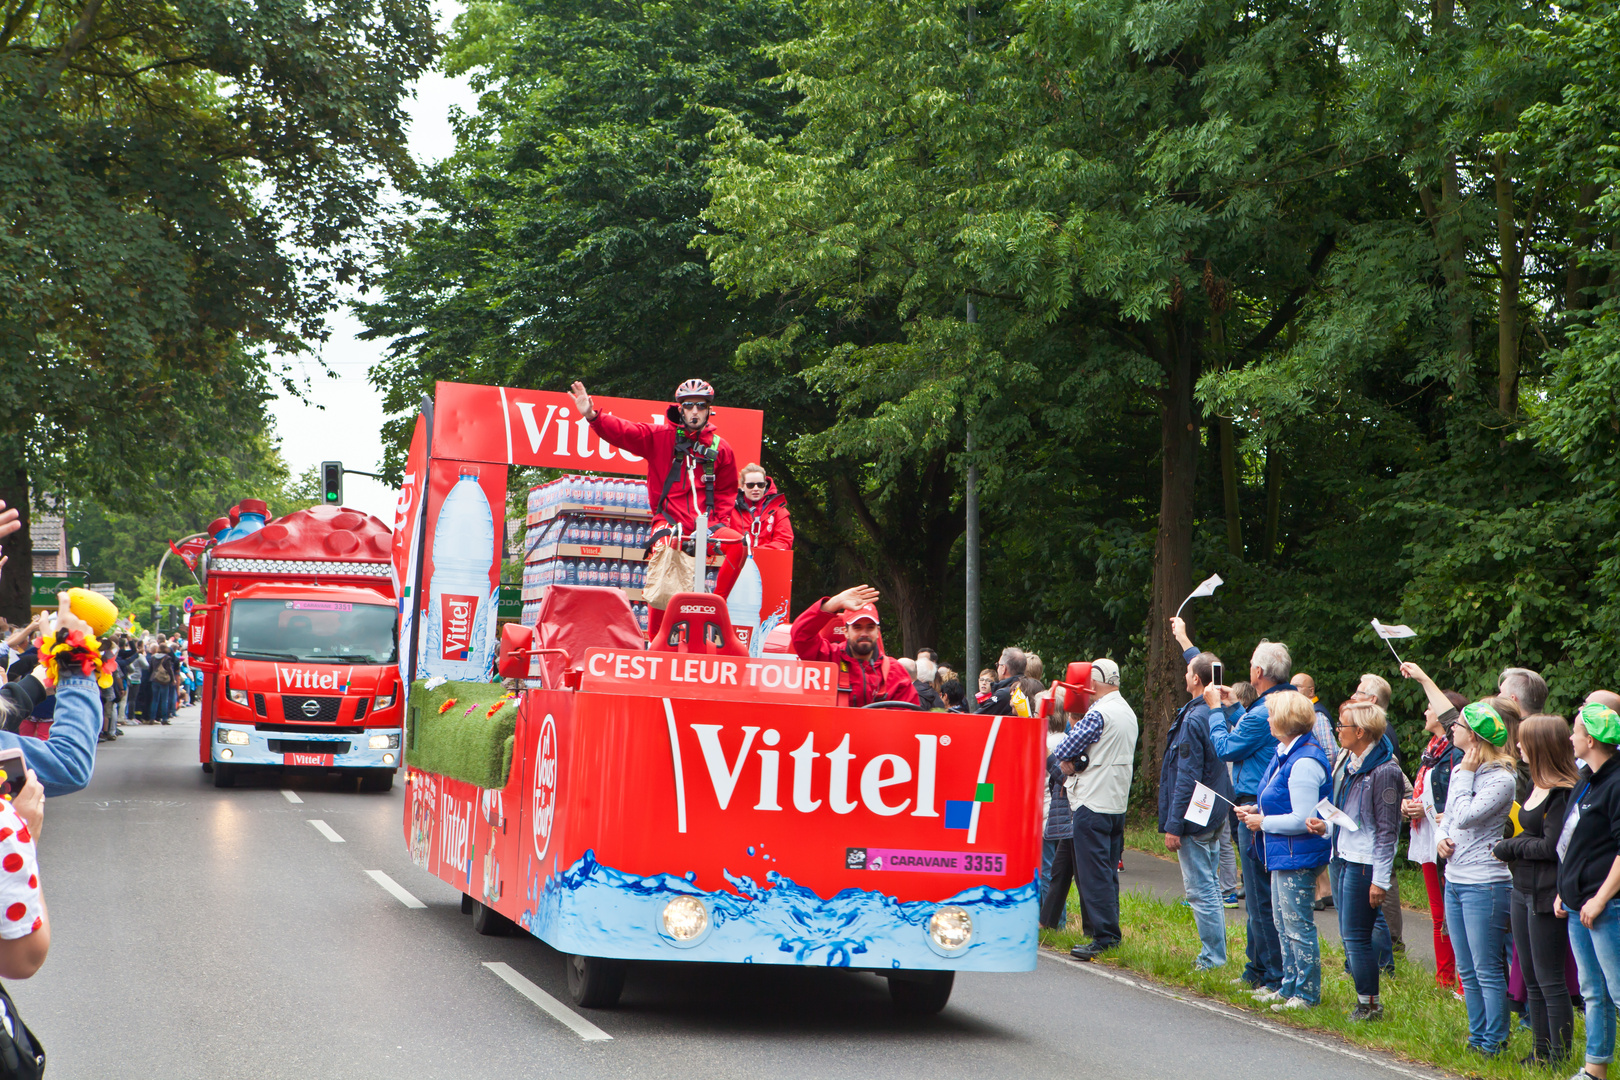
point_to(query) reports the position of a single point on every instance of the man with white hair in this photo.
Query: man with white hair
(923, 679)
(1097, 756)
(1244, 738)
(1527, 688)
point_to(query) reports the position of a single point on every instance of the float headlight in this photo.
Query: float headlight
(951, 928)
(685, 918)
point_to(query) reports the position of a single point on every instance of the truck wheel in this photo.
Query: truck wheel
(921, 993)
(208, 766)
(467, 903)
(489, 922)
(377, 780)
(595, 982)
(224, 775)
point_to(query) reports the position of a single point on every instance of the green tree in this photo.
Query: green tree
(181, 185)
(556, 242)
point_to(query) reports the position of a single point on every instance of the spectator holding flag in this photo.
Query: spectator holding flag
(1191, 763)
(1478, 887)
(1369, 793)
(1297, 778)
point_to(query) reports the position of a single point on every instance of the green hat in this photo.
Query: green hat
(1602, 723)
(1484, 721)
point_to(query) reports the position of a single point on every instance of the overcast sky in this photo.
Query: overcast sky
(349, 427)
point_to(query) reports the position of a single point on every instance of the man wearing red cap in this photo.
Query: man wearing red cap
(865, 675)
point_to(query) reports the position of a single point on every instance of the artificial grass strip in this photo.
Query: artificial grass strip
(1422, 1022)
(461, 742)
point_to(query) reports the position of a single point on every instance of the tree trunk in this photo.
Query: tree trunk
(1164, 686)
(1229, 482)
(17, 578)
(1273, 497)
(1507, 301)
(1577, 277)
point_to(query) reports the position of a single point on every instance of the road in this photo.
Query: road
(207, 933)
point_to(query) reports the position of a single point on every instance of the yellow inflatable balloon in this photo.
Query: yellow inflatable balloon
(94, 609)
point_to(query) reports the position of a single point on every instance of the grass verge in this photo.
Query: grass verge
(1422, 1023)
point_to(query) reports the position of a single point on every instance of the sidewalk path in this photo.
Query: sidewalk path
(1154, 876)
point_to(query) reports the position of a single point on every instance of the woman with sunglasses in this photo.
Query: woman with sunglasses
(761, 512)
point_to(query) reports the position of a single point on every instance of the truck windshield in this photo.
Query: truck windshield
(313, 631)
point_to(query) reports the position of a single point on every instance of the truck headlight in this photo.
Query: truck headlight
(951, 928)
(385, 742)
(384, 701)
(235, 738)
(685, 918)
(238, 696)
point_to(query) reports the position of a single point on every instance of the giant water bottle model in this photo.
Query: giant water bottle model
(461, 603)
(747, 597)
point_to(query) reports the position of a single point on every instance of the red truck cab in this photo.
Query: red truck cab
(299, 649)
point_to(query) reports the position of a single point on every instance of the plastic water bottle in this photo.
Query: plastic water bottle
(461, 602)
(746, 599)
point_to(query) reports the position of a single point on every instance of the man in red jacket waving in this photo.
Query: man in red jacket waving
(690, 469)
(865, 675)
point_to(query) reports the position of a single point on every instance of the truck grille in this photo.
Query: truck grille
(258, 704)
(306, 746)
(360, 709)
(325, 710)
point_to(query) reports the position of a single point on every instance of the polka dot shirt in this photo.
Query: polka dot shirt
(21, 905)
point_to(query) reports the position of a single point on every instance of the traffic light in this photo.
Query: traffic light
(332, 483)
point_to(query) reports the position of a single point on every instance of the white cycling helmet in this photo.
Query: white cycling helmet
(694, 388)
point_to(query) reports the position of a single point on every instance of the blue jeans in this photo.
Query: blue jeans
(1200, 877)
(1478, 920)
(1263, 950)
(1597, 954)
(1049, 847)
(1357, 919)
(1293, 898)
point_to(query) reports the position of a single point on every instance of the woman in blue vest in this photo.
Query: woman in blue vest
(1297, 779)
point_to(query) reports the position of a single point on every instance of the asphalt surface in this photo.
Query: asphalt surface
(217, 933)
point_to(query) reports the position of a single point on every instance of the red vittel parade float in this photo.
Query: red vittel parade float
(700, 796)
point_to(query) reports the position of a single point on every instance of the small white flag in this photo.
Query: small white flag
(1201, 805)
(1328, 812)
(1396, 631)
(1206, 587)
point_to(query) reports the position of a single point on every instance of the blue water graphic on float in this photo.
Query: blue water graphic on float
(595, 910)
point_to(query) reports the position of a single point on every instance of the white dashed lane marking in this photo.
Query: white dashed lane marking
(395, 889)
(326, 830)
(292, 796)
(556, 1009)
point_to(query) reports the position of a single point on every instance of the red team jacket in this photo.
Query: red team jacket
(879, 679)
(767, 522)
(656, 443)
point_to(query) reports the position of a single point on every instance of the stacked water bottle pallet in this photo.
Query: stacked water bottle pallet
(587, 530)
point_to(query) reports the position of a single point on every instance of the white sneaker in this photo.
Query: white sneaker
(1291, 1003)
(1265, 994)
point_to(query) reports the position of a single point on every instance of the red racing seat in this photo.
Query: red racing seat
(697, 623)
(574, 618)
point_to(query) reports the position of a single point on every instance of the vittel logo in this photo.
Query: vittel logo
(455, 826)
(556, 425)
(291, 678)
(456, 615)
(886, 784)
